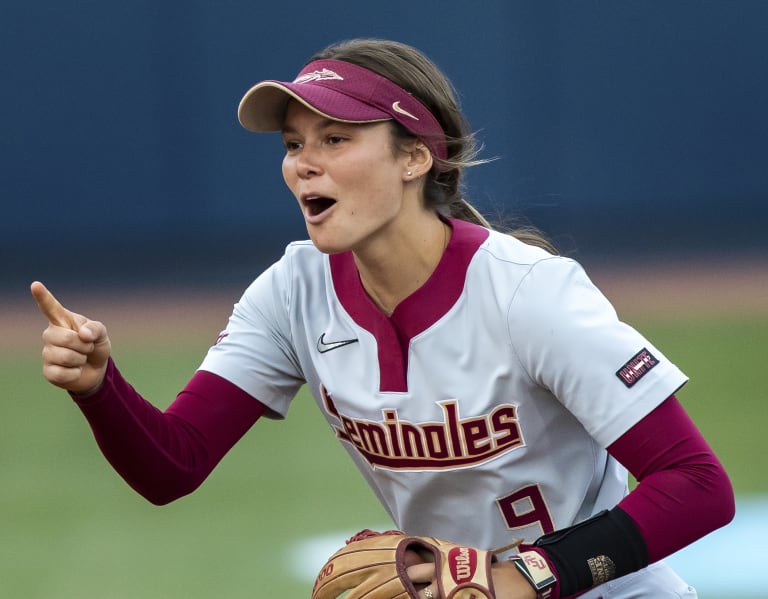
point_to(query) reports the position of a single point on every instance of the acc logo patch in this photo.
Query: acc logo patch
(638, 366)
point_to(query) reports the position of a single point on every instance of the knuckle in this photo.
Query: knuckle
(63, 356)
(59, 375)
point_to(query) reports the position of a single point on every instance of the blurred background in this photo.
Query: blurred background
(623, 127)
(633, 133)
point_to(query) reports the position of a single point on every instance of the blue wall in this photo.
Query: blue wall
(622, 128)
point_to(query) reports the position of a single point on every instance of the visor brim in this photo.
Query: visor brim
(263, 107)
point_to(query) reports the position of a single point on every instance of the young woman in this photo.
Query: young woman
(484, 387)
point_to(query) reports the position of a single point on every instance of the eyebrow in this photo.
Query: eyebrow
(322, 124)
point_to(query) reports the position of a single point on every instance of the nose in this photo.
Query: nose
(308, 162)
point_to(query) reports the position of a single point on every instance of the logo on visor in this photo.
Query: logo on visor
(396, 108)
(324, 75)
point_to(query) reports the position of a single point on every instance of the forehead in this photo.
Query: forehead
(298, 116)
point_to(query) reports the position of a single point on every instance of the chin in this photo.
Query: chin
(328, 247)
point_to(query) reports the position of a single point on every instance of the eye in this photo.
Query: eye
(333, 140)
(291, 145)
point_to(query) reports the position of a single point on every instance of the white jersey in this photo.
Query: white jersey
(479, 411)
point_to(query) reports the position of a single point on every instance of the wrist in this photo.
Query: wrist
(538, 572)
(93, 392)
(592, 552)
(78, 395)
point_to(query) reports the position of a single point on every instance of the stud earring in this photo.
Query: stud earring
(409, 173)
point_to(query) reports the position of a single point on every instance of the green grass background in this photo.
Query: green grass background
(72, 529)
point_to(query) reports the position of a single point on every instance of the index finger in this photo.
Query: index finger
(56, 313)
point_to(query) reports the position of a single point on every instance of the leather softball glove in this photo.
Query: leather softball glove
(373, 566)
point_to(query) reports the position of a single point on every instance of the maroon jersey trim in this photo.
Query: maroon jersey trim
(414, 314)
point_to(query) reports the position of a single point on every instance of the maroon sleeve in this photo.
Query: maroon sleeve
(165, 455)
(683, 491)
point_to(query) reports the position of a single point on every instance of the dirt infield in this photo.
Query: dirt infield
(697, 289)
(691, 289)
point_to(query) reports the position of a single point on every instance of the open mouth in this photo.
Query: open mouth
(316, 205)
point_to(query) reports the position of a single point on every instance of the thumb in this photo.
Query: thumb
(92, 331)
(95, 332)
(55, 313)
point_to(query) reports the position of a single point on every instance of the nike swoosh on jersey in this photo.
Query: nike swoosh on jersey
(323, 347)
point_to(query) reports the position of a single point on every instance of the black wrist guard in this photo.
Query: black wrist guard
(606, 546)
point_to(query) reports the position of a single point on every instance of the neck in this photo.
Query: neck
(402, 267)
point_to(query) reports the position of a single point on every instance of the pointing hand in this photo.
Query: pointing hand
(75, 348)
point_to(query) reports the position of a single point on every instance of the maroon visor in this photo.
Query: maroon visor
(344, 92)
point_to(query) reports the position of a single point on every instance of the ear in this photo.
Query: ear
(419, 160)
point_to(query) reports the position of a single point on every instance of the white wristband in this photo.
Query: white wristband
(537, 571)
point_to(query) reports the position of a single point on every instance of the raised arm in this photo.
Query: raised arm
(163, 455)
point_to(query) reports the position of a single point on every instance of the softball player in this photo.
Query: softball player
(483, 386)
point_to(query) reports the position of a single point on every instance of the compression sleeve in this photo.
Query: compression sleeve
(165, 455)
(683, 491)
